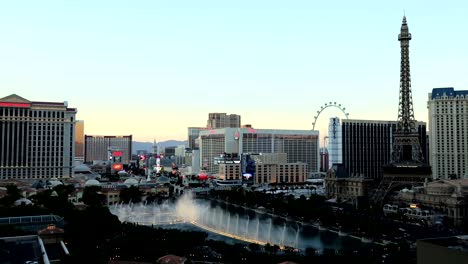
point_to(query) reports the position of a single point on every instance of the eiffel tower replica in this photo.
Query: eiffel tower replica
(407, 167)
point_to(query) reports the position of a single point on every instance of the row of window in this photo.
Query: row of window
(22, 112)
(35, 173)
(449, 99)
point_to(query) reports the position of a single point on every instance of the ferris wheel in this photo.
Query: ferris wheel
(327, 105)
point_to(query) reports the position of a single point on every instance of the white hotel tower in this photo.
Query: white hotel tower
(335, 151)
(448, 132)
(37, 139)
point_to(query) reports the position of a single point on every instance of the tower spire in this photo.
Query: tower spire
(405, 111)
(406, 145)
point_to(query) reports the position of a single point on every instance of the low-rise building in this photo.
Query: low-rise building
(229, 171)
(269, 168)
(340, 187)
(281, 173)
(444, 197)
(112, 196)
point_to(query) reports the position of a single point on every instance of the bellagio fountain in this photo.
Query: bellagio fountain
(245, 227)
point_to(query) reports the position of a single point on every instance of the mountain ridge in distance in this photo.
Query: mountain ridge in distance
(148, 146)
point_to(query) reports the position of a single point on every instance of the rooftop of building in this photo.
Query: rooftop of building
(460, 185)
(18, 101)
(449, 92)
(29, 249)
(21, 183)
(29, 220)
(50, 229)
(104, 136)
(20, 249)
(462, 182)
(250, 130)
(376, 121)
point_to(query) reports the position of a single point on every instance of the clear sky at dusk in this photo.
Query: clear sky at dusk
(154, 68)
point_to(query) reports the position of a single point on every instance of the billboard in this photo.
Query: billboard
(116, 161)
(226, 158)
(248, 169)
(117, 156)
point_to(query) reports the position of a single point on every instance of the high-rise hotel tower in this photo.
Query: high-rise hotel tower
(222, 120)
(98, 147)
(37, 139)
(448, 123)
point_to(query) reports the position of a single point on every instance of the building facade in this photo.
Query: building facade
(324, 159)
(299, 145)
(97, 147)
(343, 188)
(268, 172)
(215, 121)
(448, 123)
(367, 146)
(79, 140)
(193, 134)
(169, 151)
(222, 120)
(37, 139)
(335, 152)
(230, 171)
(442, 197)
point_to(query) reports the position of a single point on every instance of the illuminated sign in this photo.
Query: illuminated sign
(117, 167)
(116, 153)
(15, 104)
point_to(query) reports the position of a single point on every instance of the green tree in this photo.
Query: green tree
(92, 196)
(90, 231)
(329, 252)
(254, 247)
(131, 194)
(13, 194)
(310, 251)
(272, 249)
(57, 204)
(64, 190)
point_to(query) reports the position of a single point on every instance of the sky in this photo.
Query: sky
(153, 68)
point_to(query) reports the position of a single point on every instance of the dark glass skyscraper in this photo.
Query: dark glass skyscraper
(367, 145)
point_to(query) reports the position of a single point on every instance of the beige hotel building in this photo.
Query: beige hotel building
(448, 132)
(37, 139)
(270, 168)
